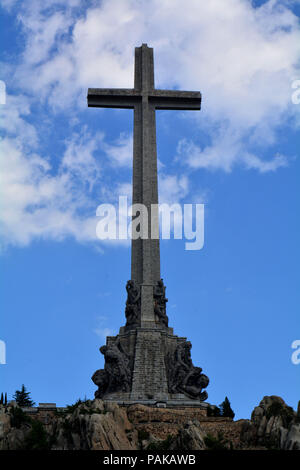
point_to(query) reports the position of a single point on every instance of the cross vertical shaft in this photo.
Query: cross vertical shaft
(145, 254)
(144, 99)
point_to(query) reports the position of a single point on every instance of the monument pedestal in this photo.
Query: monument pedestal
(150, 366)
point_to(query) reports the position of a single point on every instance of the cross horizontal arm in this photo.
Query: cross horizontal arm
(174, 99)
(113, 97)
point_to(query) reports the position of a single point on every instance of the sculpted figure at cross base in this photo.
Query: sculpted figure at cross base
(160, 301)
(194, 382)
(133, 304)
(116, 375)
(184, 377)
(100, 378)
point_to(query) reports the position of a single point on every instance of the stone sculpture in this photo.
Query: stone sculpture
(183, 376)
(160, 301)
(133, 304)
(116, 375)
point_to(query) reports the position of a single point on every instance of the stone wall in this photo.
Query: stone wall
(161, 422)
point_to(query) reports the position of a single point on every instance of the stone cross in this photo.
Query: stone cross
(144, 99)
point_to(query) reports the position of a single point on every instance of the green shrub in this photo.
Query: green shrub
(278, 409)
(143, 435)
(67, 431)
(274, 410)
(226, 410)
(18, 417)
(37, 438)
(22, 397)
(213, 411)
(215, 443)
(162, 445)
(72, 408)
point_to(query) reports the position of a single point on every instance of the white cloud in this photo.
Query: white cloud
(242, 58)
(8, 4)
(13, 120)
(172, 188)
(102, 331)
(252, 161)
(79, 159)
(120, 151)
(43, 32)
(38, 201)
(37, 204)
(231, 50)
(225, 151)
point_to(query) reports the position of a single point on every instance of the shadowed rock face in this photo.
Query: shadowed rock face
(98, 425)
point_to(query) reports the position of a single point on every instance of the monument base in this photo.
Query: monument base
(150, 365)
(168, 403)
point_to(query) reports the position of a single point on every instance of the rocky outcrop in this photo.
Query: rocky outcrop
(92, 425)
(99, 425)
(274, 425)
(190, 437)
(95, 426)
(11, 436)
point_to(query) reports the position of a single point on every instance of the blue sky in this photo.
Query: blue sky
(63, 290)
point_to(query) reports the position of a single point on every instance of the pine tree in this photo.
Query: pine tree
(226, 409)
(5, 399)
(1, 399)
(213, 411)
(22, 397)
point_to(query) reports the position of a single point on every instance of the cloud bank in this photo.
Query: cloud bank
(243, 59)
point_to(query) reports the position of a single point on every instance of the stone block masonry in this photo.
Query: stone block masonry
(149, 373)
